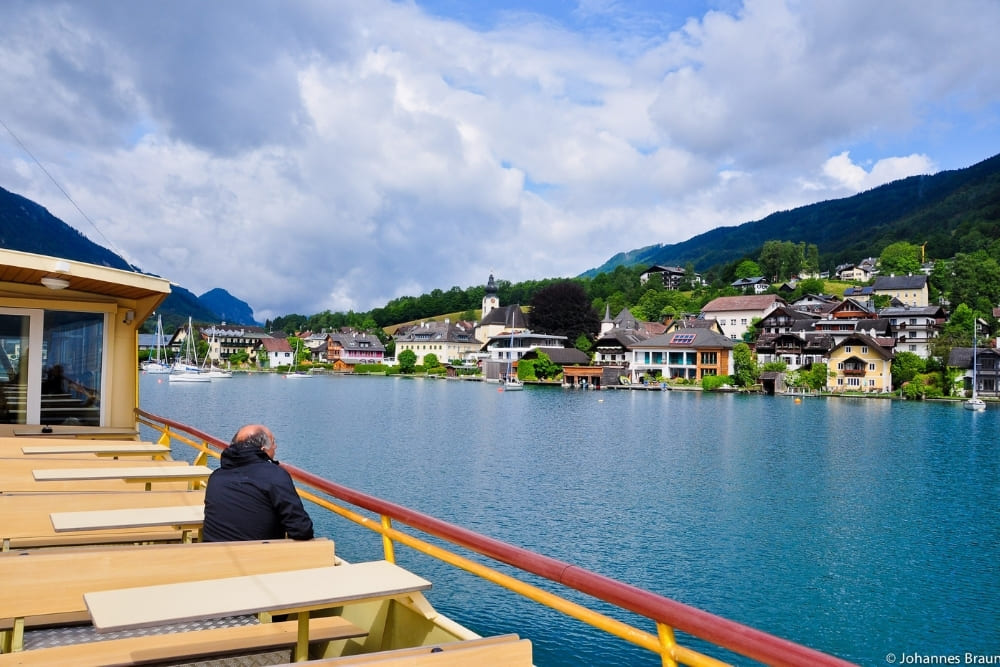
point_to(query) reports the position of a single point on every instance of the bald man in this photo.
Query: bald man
(250, 497)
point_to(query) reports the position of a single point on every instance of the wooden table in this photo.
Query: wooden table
(147, 475)
(61, 431)
(102, 448)
(187, 518)
(295, 591)
(26, 521)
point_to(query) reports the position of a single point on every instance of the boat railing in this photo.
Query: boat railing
(667, 614)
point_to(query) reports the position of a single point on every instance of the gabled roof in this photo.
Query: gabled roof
(689, 338)
(508, 316)
(275, 344)
(909, 311)
(862, 339)
(755, 302)
(900, 282)
(788, 311)
(443, 332)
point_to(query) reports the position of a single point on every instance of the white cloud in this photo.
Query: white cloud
(336, 155)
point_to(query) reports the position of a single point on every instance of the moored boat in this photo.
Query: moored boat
(376, 607)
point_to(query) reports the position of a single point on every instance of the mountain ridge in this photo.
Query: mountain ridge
(30, 227)
(920, 209)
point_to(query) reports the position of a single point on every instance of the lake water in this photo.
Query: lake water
(859, 527)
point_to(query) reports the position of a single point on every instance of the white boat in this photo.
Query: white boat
(186, 368)
(510, 380)
(974, 403)
(295, 374)
(210, 369)
(158, 364)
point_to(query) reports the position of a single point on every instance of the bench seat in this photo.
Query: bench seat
(47, 586)
(242, 639)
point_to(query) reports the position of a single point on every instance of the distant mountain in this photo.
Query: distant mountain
(951, 211)
(229, 309)
(29, 227)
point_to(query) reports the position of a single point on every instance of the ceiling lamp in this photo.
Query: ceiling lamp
(55, 283)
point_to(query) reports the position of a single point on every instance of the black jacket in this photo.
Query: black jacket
(251, 498)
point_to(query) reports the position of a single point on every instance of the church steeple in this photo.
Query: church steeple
(490, 298)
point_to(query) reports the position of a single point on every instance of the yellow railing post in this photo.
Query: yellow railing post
(202, 457)
(387, 546)
(164, 437)
(668, 643)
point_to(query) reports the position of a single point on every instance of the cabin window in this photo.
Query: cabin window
(51, 367)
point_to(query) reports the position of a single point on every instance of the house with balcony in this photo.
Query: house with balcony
(816, 304)
(797, 350)
(987, 369)
(508, 347)
(735, 314)
(782, 319)
(671, 276)
(690, 354)
(861, 363)
(914, 327)
(619, 334)
(756, 285)
(346, 349)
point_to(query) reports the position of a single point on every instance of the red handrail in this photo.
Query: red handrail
(731, 635)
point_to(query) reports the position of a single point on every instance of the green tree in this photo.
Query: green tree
(745, 370)
(431, 360)
(407, 361)
(583, 343)
(563, 309)
(747, 269)
(900, 258)
(905, 367)
(816, 377)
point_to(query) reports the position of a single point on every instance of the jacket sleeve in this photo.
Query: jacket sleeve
(288, 505)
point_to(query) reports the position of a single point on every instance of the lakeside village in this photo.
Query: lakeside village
(814, 344)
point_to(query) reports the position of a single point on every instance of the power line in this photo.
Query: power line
(66, 194)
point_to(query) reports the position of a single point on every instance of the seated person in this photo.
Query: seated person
(250, 497)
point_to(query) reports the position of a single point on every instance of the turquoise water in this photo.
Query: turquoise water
(857, 527)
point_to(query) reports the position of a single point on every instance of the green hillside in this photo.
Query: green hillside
(952, 211)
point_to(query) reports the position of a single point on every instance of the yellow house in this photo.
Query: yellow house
(860, 363)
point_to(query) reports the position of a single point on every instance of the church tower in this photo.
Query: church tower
(490, 298)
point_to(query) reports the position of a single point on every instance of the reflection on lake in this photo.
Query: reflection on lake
(858, 527)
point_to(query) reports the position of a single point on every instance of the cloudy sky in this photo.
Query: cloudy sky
(334, 154)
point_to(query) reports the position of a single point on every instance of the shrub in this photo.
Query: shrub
(713, 382)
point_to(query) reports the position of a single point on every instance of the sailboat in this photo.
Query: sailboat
(293, 373)
(210, 369)
(186, 368)
(510, 380)
(974, 403)
(158, 364)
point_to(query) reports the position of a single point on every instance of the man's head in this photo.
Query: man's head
(255, 436)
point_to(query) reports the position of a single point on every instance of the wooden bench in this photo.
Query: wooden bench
(18, 475)
(148, 475)
(47, 586)
(25, 519)
(184, 645)
(131, 517)
(100, 449)
(506, 650)
(65, 431)
(289, 591)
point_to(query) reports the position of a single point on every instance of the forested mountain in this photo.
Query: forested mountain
(952, 211)
(29, 227)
